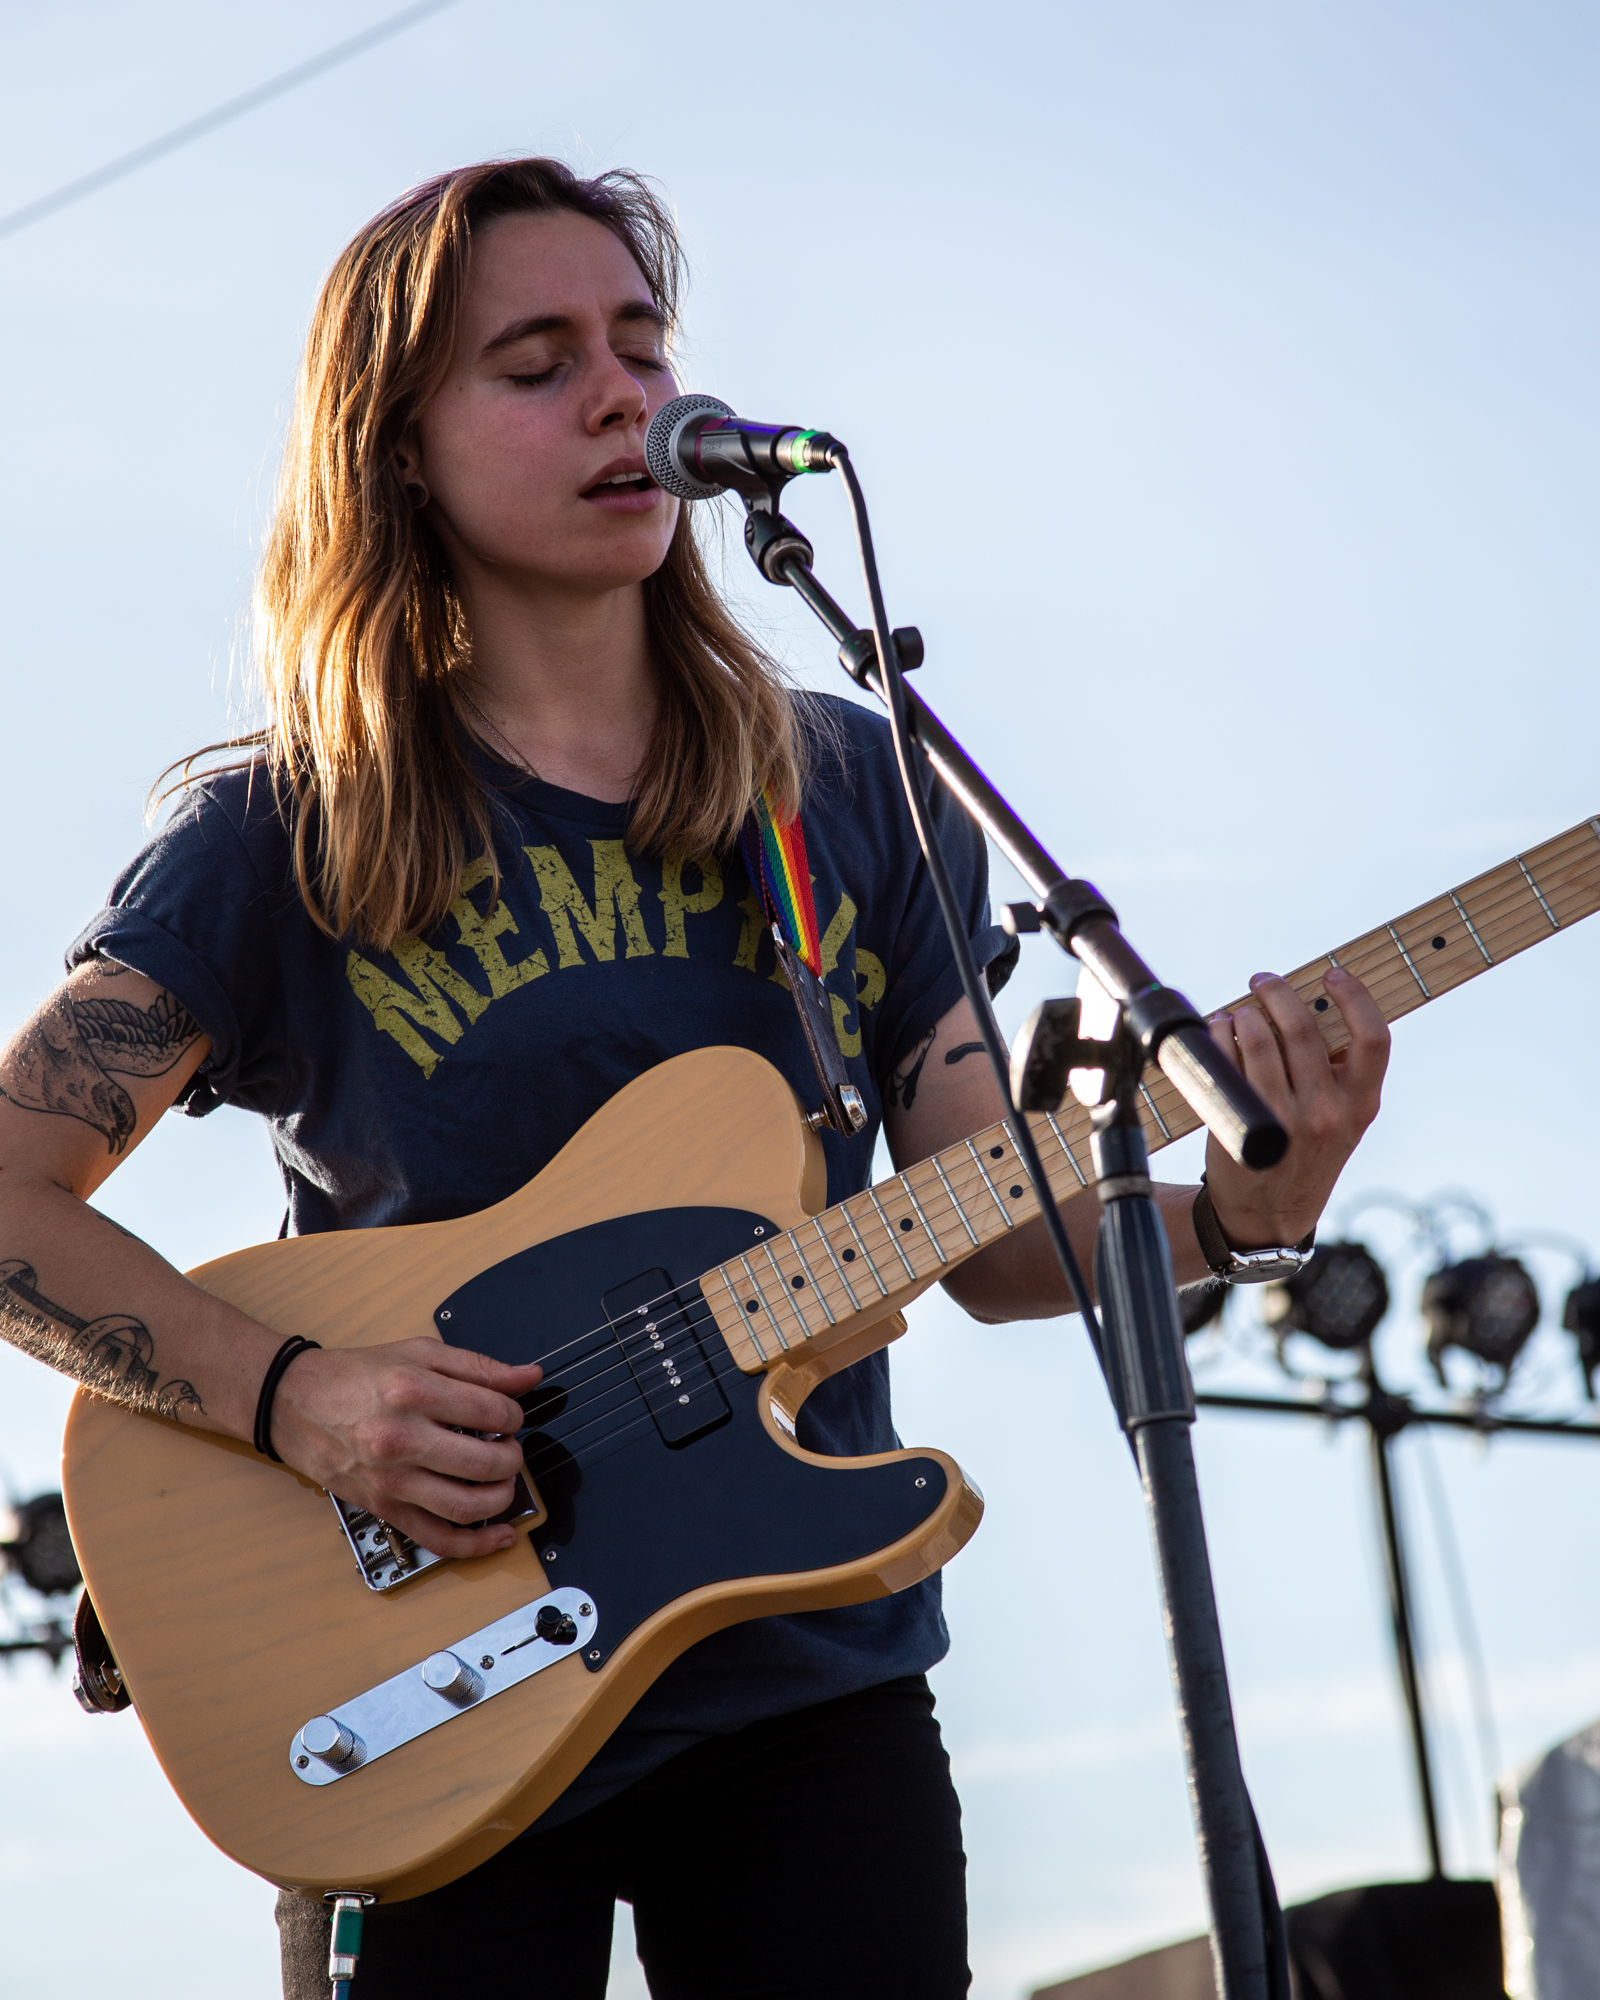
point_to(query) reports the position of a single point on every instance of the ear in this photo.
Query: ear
(408, 458)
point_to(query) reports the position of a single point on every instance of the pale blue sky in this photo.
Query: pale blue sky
(1220, 376)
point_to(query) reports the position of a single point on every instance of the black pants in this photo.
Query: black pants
(815, 1856)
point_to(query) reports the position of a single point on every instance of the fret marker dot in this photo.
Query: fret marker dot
(1321, 1003)
(1016, 1193)
(905, 1222)
(849, 1256)
(752, 1305)
(995, 1152)
(1438, 944)
(798, 1283)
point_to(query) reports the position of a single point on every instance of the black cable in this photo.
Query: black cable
(972, 982)
(224, 114)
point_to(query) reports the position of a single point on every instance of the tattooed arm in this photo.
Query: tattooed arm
(68, 1058)
(390, 1428)
(944, 1091)
(80, 1085)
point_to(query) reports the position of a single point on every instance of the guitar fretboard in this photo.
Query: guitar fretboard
(866, 1256)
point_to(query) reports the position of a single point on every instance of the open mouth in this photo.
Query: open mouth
(620, 483)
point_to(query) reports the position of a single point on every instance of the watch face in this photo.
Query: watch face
(1265, 1267)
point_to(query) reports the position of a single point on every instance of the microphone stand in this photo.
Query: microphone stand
(1141, 1350)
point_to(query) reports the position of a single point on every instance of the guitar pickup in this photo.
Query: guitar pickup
(655, 1328)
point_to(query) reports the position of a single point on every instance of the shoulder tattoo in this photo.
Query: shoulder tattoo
(67, 1059)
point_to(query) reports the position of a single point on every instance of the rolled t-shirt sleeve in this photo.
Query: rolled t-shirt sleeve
(191, 913)
(923, 983)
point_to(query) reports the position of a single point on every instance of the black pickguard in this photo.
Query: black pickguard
(639, 1516)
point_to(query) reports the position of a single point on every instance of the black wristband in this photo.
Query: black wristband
(1214, 1246)
(295, 1345)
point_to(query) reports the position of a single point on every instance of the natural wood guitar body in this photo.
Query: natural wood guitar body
(235, 1607)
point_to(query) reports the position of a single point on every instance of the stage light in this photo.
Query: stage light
(1339, 1297)
(41, 1550)
(1581, 1317)
(1487, 1306)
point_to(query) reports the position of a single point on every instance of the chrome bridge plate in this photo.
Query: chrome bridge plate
(449, 1683)
(386, 1557)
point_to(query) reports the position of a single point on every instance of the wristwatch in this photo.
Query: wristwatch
(1245, 1267)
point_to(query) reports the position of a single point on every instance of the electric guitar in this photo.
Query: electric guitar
(337, 1707)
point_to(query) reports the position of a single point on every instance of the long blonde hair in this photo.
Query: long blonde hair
(361, 631)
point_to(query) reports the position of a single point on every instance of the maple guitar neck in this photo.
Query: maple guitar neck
(814, 1285)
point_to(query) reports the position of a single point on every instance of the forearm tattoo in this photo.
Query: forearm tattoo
(67, 1059)
(111, 1355)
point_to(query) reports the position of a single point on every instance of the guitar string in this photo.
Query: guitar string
(1502, 903)
(867, 1227)
(1509, 903)
(562, 1440)
(838, 1209)
(557, 1446)
(830, 1289)
(566, 1380)
(1488, 919)
(937, 1204)
(619, 1372)
(549, 1460)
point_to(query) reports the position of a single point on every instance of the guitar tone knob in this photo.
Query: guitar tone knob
(451, 1677)
(328, 1741)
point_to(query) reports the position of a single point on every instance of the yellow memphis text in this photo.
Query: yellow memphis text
(439, 997)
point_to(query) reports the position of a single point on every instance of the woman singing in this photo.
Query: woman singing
(479, 869)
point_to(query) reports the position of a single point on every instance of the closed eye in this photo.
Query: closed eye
(536, 381)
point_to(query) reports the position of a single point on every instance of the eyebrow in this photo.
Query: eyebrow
(635, 311)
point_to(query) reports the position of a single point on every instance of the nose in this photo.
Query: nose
(617, 401)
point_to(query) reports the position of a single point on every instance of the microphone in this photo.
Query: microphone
(697, 448)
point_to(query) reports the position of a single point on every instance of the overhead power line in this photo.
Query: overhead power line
(224, 114)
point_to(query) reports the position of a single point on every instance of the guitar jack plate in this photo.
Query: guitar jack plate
(451, 1682)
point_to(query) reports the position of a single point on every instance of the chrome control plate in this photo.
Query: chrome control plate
(411, 1703)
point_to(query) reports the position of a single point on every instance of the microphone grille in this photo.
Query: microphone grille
(661, 445)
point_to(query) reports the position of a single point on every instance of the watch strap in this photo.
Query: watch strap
(1220, 1254)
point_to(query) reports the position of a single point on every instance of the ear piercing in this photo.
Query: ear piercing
(416, 493)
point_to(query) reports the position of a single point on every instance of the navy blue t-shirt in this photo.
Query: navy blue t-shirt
(431, 1080)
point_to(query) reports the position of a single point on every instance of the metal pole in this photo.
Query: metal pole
(1404, 1648)
(1149, 1378)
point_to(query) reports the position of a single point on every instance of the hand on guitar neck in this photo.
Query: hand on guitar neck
(943, 1090)
(1324, 1101)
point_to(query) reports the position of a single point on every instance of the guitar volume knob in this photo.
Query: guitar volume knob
(451, 1677)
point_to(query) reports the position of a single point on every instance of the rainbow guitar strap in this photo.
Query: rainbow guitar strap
(774, 852)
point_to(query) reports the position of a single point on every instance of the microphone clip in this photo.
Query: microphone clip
(773, 539)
